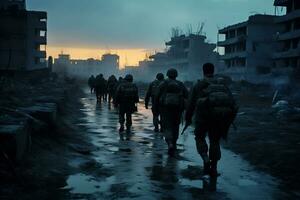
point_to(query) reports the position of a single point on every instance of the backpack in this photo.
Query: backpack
(129, 92)
(155, 88)
(217, 104)
(174, 95)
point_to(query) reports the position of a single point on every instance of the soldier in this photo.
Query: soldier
(171, 101)
(152, 93)
(215, 110)
(100, 87)
(105, 90)
(111, 87)
(91, 83)
(126, 99)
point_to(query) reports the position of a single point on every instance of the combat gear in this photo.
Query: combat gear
(111, 87)
(160, 77)
(100, 85)
(91, 83)
(217, 103)
(173, 96)
(152, 93)
(215, 110)
(129, 77)
(126, 98)
(170, 101)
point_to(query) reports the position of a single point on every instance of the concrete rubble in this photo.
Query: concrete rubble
(26, 109)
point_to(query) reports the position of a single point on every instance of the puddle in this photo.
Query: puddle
(192, 183)
(82, 184)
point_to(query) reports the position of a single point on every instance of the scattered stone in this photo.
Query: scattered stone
(15, 140)
(45, 112)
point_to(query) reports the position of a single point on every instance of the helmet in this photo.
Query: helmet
(208, 69)
(172, 73)
(160, 76)
(129, 77)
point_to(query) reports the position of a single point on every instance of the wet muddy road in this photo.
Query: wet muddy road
(139, 168)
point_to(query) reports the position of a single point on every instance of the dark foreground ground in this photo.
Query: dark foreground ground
(83, 157)
(269, 139)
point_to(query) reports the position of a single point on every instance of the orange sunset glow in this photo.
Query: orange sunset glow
(128, 57)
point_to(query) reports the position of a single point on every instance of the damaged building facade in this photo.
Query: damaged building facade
(64, 65)
(23, 37)
(186, 53)
(287, 55)
(249, 47)
(265, 46)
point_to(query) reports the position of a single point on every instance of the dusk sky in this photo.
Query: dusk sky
(131, 28)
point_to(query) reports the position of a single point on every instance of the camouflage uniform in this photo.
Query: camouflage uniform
(126, 98)
(111, 87)
(100, 87)
(152, 92)
(91, 83)
(171, 114)
(205, 124)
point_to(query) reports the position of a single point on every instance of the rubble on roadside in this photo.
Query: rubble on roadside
(28, 107)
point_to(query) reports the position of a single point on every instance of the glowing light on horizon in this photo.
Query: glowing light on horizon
(128, 57)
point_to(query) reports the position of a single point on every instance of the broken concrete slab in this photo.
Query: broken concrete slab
(15, 140)
(46, 112)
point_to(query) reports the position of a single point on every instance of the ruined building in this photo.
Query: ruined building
(264, 45)
(109, 64)
(186, 53)
(23, 37)
(287, 54)
(249, 47)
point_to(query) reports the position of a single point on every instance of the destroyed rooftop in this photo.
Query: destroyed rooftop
(254, 19)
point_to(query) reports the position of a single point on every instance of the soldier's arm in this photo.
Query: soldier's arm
(160, 91)
(117, 96)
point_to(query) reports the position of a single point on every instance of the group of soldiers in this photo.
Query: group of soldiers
(123, 93)
(210, 104)
(103, 88)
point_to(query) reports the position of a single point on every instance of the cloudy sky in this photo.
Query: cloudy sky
(135, 25)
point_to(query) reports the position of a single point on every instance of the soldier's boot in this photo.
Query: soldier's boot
(121, 129)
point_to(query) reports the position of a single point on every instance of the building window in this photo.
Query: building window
(42, 33)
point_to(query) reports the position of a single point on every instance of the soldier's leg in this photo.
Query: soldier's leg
(202, 147)
(121, 120)
(167, 126)
(128, 121)
(109, 97)
(155, 120)
(214, 150)
(175, 134)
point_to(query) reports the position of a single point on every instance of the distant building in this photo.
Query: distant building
(186, 53)
(249, 47)
(288, 53)
(111, 60)
(109, 64)
(23, 37)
